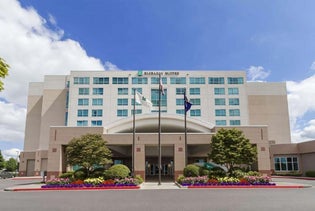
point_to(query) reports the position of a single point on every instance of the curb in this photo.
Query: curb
(248, 187)
(73, 189)
(292, 177)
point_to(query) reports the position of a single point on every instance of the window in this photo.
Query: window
(97, 101)
(84, 91)
(139, 80)
(286, 163)
(122, 112)
(81, 80)
(235, 80)
(122, 91)
(234, 112)
(137, 89)
(216, 80)
(195, 101)
(120, 80)
(83, 112)
(82, 123)
(122, 101)
(220, 122)
(220, 112)
(180, 111)
(100, 80)
(83, 101)
(194, 91)
(156, 80)
(155, 97)
(197, 80)
(235, 122)
(180, 101)
(178, 80)
(233, 91)
(138, 111)
(234, 101)
(97, 112)
(219, 91)
(96, 123)
(195, 112)
(133, 101)
(180, 91)
(219, 101)
(97, 91)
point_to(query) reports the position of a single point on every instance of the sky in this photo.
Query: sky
(273, 41)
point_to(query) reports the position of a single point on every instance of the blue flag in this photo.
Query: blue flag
(187, 104)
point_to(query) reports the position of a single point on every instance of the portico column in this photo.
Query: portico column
(179, 159)
(140, 160)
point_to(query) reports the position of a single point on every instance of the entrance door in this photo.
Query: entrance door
(30, 167)
(152, 168)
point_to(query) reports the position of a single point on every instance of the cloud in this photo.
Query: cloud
(33, 47)
(11, 153)
(33, 50)
(255, 73)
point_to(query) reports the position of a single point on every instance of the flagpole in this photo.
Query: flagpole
(159, 136)
(186, 150)
(134, 132)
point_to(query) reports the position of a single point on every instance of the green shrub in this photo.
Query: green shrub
(310, 173)
(191, 170)
(98, 172)
(180, 179)
(68, 174)
(117, 171)
(203, 172)
(217, 172)
(80, 174)
(139, 179)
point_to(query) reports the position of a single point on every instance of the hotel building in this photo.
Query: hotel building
(67, 106)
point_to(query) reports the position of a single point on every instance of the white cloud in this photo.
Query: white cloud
(255, 73)
(33, 50)
(11, 153)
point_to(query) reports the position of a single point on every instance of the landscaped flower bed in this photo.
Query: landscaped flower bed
(225, 181)
(91, 183)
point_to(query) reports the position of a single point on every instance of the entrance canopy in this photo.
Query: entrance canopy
(148, 123)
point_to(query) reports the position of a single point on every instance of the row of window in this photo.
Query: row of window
(155, 80)
(179, 91)
(223, 122)
(286, 163)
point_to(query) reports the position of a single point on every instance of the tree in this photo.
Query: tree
(2, 161)
(229, 147)
(88, 151)
(11, 164)
(4, 69)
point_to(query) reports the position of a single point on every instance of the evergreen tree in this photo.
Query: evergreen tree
(11, 164)
(2, 161)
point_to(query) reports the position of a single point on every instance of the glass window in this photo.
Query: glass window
(97, 91)
(122, 101)
(97, 112)
(155, 97)
(197, 80)
(234, 112)
(235, 80)
(81, 80)
(195, 112)
(83, 112)
(220, 122)
(180, 111)
(220, 112)
(120, 80)
(216, 80)
(180, 91)
(133, 101)
(138, 111)
(178, 80)
(180, 101)
(139, 80)
(122, 91)
(194, 91)
(82, 123)
(137, 89)
(219, 101)
(286, 163)
(235, 122)
(122, 112)
(219, 91)
(97, 101)
(233, 91)
(195, 101)
(84, 91)
(100, 80)
(83, 101)
(155, 80)
(234, 101)
(96, 122)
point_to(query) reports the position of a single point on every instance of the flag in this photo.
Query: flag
(187, 104)
(142, 100)
(161, 87)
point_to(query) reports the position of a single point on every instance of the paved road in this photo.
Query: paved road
(6, 183)
(157, 200)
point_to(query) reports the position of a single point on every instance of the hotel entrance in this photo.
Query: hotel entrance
(152, 163)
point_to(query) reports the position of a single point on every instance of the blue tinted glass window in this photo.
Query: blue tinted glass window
(83, 101)
(216, 80)
(122, 91)
(122, 101)
(234, 101)
(180, 101)
(197, 80)
(82, 123)
(84, 91)
(195, 101)
(155, 80)
(97, 101)
(194, 91)
(235, 80)
(195, 112)
(180, 91)
(219, 101)
(139, 80)
(180, 111)
(97, 112)
(122, 112)
(81, 80)
(220, 112)
(155, 97)
(120, 80)
(219, 91)
(235, 122)
(178, 80)
(83, 112)
(220, 122)
(100, 80)
(97, 91)
(96, 122)
(233, 91)
(234, 112)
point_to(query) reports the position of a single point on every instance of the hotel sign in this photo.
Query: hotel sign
(160, 73)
